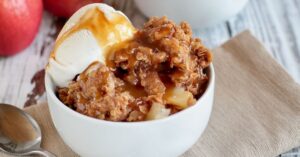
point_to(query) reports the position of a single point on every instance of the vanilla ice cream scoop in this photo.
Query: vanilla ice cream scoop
(87, 37)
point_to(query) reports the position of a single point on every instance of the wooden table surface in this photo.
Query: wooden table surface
(276, 23)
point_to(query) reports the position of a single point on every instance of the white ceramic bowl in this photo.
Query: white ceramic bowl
(199, 13)
(168, 137)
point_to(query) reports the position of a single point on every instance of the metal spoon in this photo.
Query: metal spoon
(20, 134)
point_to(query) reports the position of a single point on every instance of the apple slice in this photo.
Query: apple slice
(158, 111)
(179, 97)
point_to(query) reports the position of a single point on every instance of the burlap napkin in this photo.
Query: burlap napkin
(256, 110)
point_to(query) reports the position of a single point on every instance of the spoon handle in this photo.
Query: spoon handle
(42, 152)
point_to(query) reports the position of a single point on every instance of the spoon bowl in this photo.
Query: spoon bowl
(20, 134)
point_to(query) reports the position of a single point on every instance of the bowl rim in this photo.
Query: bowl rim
(50, 92)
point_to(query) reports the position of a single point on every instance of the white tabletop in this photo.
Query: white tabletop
(276, 23)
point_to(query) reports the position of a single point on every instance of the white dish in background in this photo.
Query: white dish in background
(167, 137)
(199, 13)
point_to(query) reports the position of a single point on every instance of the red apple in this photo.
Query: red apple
(19, 23)
(66, 8)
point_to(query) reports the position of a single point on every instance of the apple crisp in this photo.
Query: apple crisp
(159, 72)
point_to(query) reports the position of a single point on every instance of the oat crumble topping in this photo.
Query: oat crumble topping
(159, 72)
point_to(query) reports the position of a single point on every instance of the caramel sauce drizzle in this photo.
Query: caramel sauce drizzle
(106, 31)
(135, 91)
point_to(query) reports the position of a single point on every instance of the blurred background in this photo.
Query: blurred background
(28, 29)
